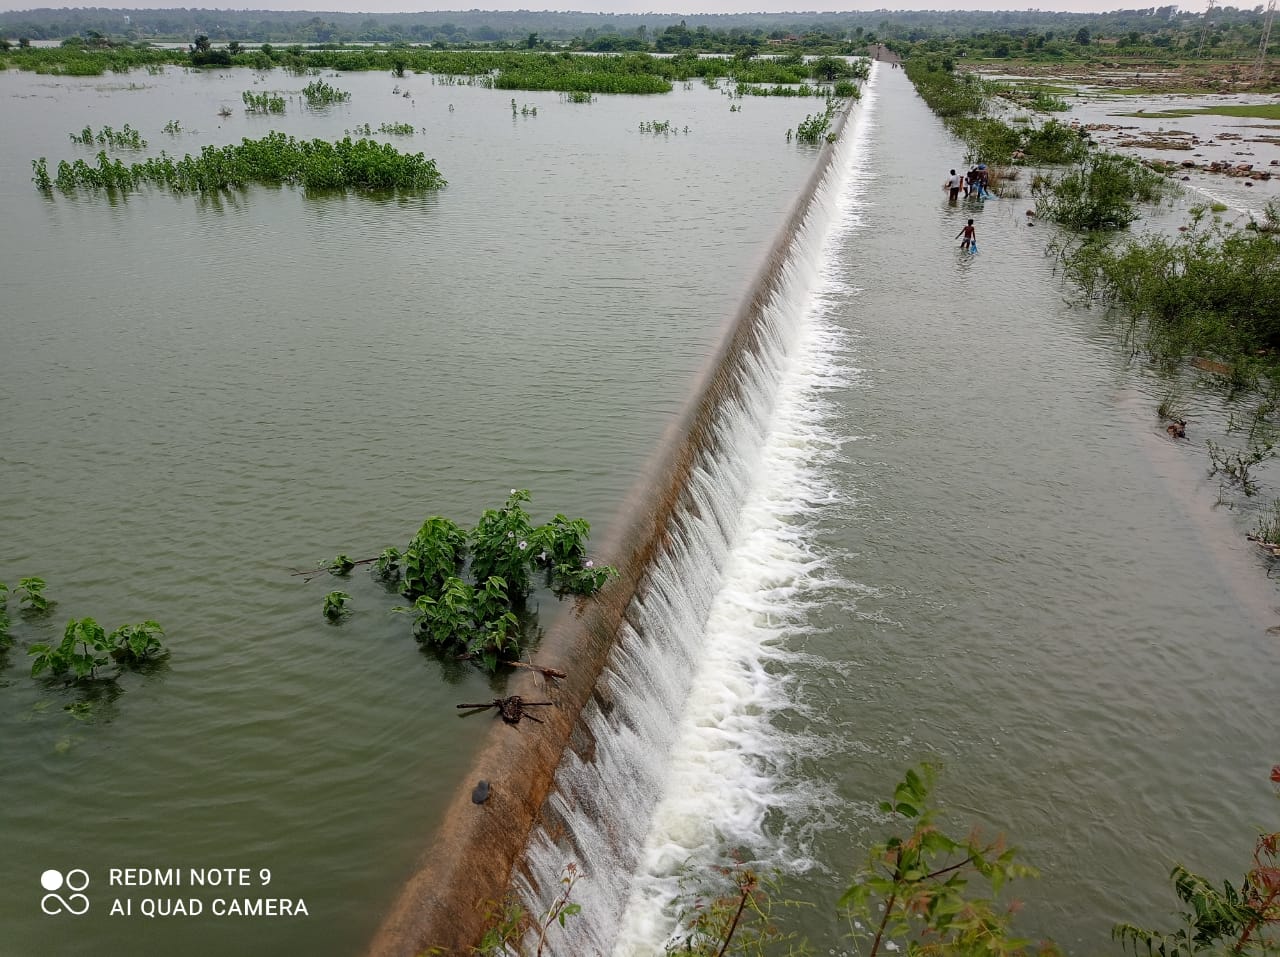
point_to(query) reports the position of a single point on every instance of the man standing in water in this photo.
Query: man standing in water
(970, 241)
(953, 183)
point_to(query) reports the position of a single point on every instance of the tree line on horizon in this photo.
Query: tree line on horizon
(1165, 26)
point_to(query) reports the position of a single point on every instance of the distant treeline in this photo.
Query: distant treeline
(649, 31)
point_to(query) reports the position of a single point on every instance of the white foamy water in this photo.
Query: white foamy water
(689, 764)
(730, 766)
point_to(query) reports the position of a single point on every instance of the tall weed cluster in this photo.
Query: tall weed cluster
(276, 158)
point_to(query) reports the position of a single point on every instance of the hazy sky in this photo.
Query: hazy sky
(628, 6)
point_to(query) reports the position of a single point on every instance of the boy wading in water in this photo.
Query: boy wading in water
(970, 235)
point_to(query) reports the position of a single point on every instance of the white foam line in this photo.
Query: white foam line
(729, 767)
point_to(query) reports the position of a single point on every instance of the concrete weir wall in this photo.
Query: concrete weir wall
(444, 907)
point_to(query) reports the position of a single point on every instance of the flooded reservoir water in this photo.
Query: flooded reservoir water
(201, 394)
(951, 529)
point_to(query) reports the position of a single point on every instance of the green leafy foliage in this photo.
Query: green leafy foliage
(86, 646)
(1211, 291)
(262, 102)
(433, 557)
(340, 565)
(30, 593)
(914, 891)
(335, 605)
(1235, 920)
(40, 174)
(133, 645)
(476, 616)
(320, 93)
(477, 620)
(1099, 194)
(508, 924)
(388, 566)
(275, 159)
(813, 129)
(500, 544)
(127, 138)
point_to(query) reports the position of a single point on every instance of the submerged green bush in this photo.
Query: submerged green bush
(1099, 194)
(276, 158)
(478, 617)
(1213, 291)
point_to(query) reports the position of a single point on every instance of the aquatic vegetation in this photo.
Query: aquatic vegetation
(86, 646)
(126, 138)
(391, 129)
(30, 594)
(262, 102)
(661, 127)
(947, 93)
(320, 93)
(1039, 99)
(1207, 292)
(1099, 194)
(1267, 529)
(813, 129)
(40, 174)
(915, 886)
(961, 100)
(335, 605)
(173, 128)
(577, 96)
(1257, 111)
(479, 618)
(276, 158)
(804, 89)
(1236, 465)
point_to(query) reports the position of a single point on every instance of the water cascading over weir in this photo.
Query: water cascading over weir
(582, 785)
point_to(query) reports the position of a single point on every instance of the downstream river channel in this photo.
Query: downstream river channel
(969, 541)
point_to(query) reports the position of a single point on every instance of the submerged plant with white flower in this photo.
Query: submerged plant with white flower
(469, 589)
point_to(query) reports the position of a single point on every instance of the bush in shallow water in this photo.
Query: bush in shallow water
(127, 138)
(335, 605)
(1212, 291)
(320, 93)
(1099, 194)
(813, 129)
(86, 646)
(262, 102)
(30, 593)
(315, 165)
(478, 618)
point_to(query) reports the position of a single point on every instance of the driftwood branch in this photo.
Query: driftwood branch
(511, 709)
(310, 573)
(545, 672)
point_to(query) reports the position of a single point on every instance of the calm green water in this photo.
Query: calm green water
(200, 395)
